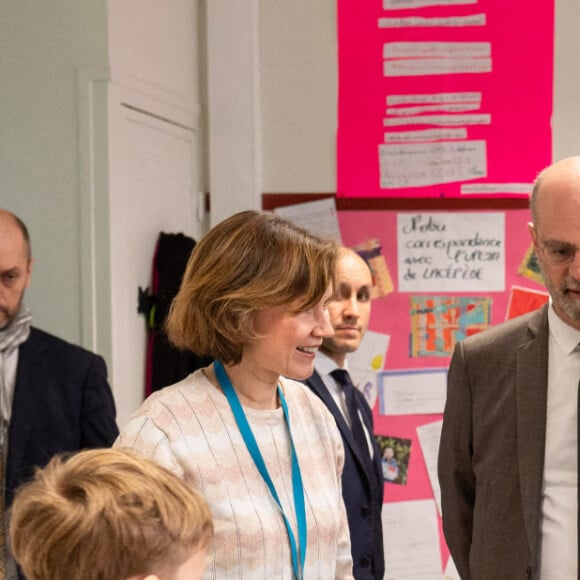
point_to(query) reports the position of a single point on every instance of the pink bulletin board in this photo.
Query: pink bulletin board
(390, 315)
(443, 99)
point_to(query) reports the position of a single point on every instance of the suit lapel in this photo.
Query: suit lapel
(317, 385)
(25, 406)
(531, 388)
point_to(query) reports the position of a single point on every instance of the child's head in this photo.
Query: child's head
(388, 452)
(108, 514)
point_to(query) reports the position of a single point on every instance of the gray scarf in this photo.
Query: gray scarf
(15, 334)
(10, 338)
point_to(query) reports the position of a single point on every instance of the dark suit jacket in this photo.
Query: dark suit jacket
(363, 498)
(491, 456)
(62, 402)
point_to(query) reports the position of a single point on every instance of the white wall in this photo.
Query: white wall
(42, 45)
(566, 119)
(158, 44)
(299, 76)
(234, 119)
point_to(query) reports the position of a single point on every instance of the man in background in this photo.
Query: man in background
(362, 481)
(508, 453)
(54, 396)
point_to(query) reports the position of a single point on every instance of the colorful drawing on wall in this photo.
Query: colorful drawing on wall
(523, 300)
(439, 322)
(370, 252)
(395, 454)
(530, 267)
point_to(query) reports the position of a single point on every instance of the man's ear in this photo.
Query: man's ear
(533, 233)
(29, 271)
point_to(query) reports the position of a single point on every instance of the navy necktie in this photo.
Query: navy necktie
(342, 377)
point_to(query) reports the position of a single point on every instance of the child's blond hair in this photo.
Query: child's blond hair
(106, 514)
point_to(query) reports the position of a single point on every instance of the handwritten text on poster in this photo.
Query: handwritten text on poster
(451, 252)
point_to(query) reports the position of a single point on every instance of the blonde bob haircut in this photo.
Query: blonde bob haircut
(106, 514)
(249, 262)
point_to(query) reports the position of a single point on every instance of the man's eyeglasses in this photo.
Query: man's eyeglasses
(559, 253)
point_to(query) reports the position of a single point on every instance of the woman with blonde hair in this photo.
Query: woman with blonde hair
(260, 447)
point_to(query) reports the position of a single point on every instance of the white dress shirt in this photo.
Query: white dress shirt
(324, 365)
(559, 527)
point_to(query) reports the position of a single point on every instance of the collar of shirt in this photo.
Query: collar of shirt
(324, 365)
(565, 336)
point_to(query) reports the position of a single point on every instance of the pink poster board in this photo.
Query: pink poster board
(441, 98)
(391, 315)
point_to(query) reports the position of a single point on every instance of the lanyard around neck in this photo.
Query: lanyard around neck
(298, 551)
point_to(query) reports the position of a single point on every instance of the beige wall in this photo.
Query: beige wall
(42, 45)
(299, 76)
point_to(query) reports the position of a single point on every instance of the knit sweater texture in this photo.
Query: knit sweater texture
(190, 429)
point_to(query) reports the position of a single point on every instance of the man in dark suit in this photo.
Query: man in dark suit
(54, 396)
(362, 480)
(508, 451)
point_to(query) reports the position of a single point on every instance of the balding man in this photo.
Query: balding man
(362, 479)
(508, 453)
(54, 396)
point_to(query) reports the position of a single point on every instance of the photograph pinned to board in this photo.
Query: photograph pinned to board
(395, 455)
(371, 252)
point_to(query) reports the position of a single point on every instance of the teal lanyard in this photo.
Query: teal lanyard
(252, 446)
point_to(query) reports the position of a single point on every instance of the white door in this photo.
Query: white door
(154, 186)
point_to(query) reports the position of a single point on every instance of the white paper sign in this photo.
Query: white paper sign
(412, 392)
(451, 572)
(366, 362)
(318, 217)
(411, 539)
(451, 252)
(429, 436)
(418, 164)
